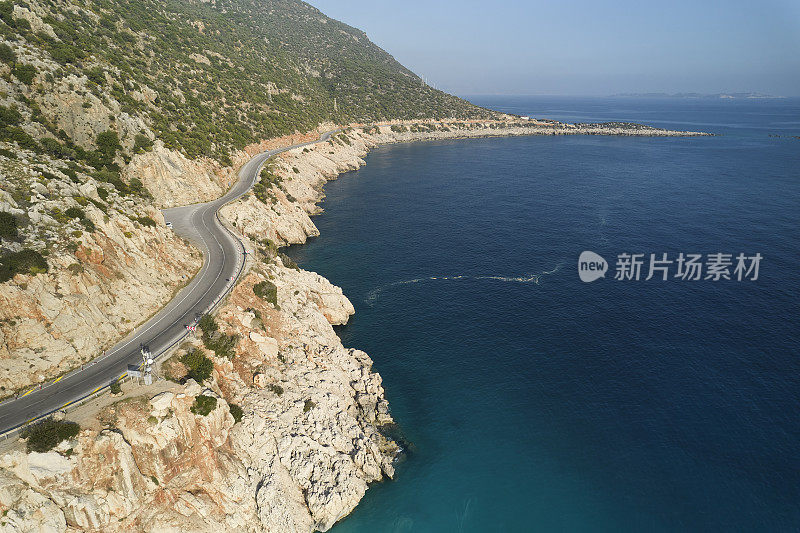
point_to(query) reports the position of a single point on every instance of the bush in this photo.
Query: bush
(146, 221)
(111, 177)
(56, 149)
(7, 55)
(8, 226)
(108, 143)
(88, 225)
(136, 186)
(266, 290)
(24, 73)
(7, 13)
(200, 366)
(309, 405)
(277, 389)
(18, 135)
(9, 116)
(141, 143)
(48, 434)
(23, 262)
(222, 345)
(203, 405)
(208, 325)
(96, 75)
(236, 411)
(75, 212)
(116, 388)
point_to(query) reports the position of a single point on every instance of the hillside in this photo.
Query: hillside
(204, 77)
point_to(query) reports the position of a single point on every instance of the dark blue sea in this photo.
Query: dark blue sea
(532, 401)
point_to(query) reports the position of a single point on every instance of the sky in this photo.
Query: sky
(585, 47)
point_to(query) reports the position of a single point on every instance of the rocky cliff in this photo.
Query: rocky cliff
(300, 458)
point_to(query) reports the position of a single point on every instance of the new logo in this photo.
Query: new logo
(591, 266)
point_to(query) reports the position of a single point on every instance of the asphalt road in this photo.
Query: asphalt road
(223, 261)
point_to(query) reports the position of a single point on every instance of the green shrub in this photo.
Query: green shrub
(208, 325)
(88, 225)
(75, 212)
(23, 262)
(203, 405)
(7, 55)
(200, 366)
(266, 290)
(136, 186)
(141, 143)
(108, 143)
(309, 405)
(236, 411)
(18, 135)
(46, 435)
(277, 389)
(7, 13)
(8, 226)
(111, 177)
(115, 388)
(9, 116)
(222, 345)
(24, 73)
(146, 221)
(96, 75)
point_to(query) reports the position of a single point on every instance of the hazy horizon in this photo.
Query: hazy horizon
(582, 48)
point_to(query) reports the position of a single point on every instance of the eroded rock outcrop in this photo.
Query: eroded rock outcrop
(300, 459)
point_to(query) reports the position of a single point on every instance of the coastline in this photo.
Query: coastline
(310, 440)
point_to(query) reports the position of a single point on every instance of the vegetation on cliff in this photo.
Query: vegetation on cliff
(46, 435)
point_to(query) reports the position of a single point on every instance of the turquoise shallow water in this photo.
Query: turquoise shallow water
(535, 402)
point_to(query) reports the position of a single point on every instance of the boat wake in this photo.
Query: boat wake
(374, 294)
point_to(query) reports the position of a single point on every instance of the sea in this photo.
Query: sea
(530, 400)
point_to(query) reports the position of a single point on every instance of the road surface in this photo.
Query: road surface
(223, 262)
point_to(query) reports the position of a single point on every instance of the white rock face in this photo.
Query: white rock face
(173, 179)
(266, 345)
(51, 323)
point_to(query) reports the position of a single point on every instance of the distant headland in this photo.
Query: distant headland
(728, 96)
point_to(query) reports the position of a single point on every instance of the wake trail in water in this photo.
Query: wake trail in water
(374, 294)
(602, 217)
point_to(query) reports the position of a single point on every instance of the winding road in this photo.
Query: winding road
(224, 257)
